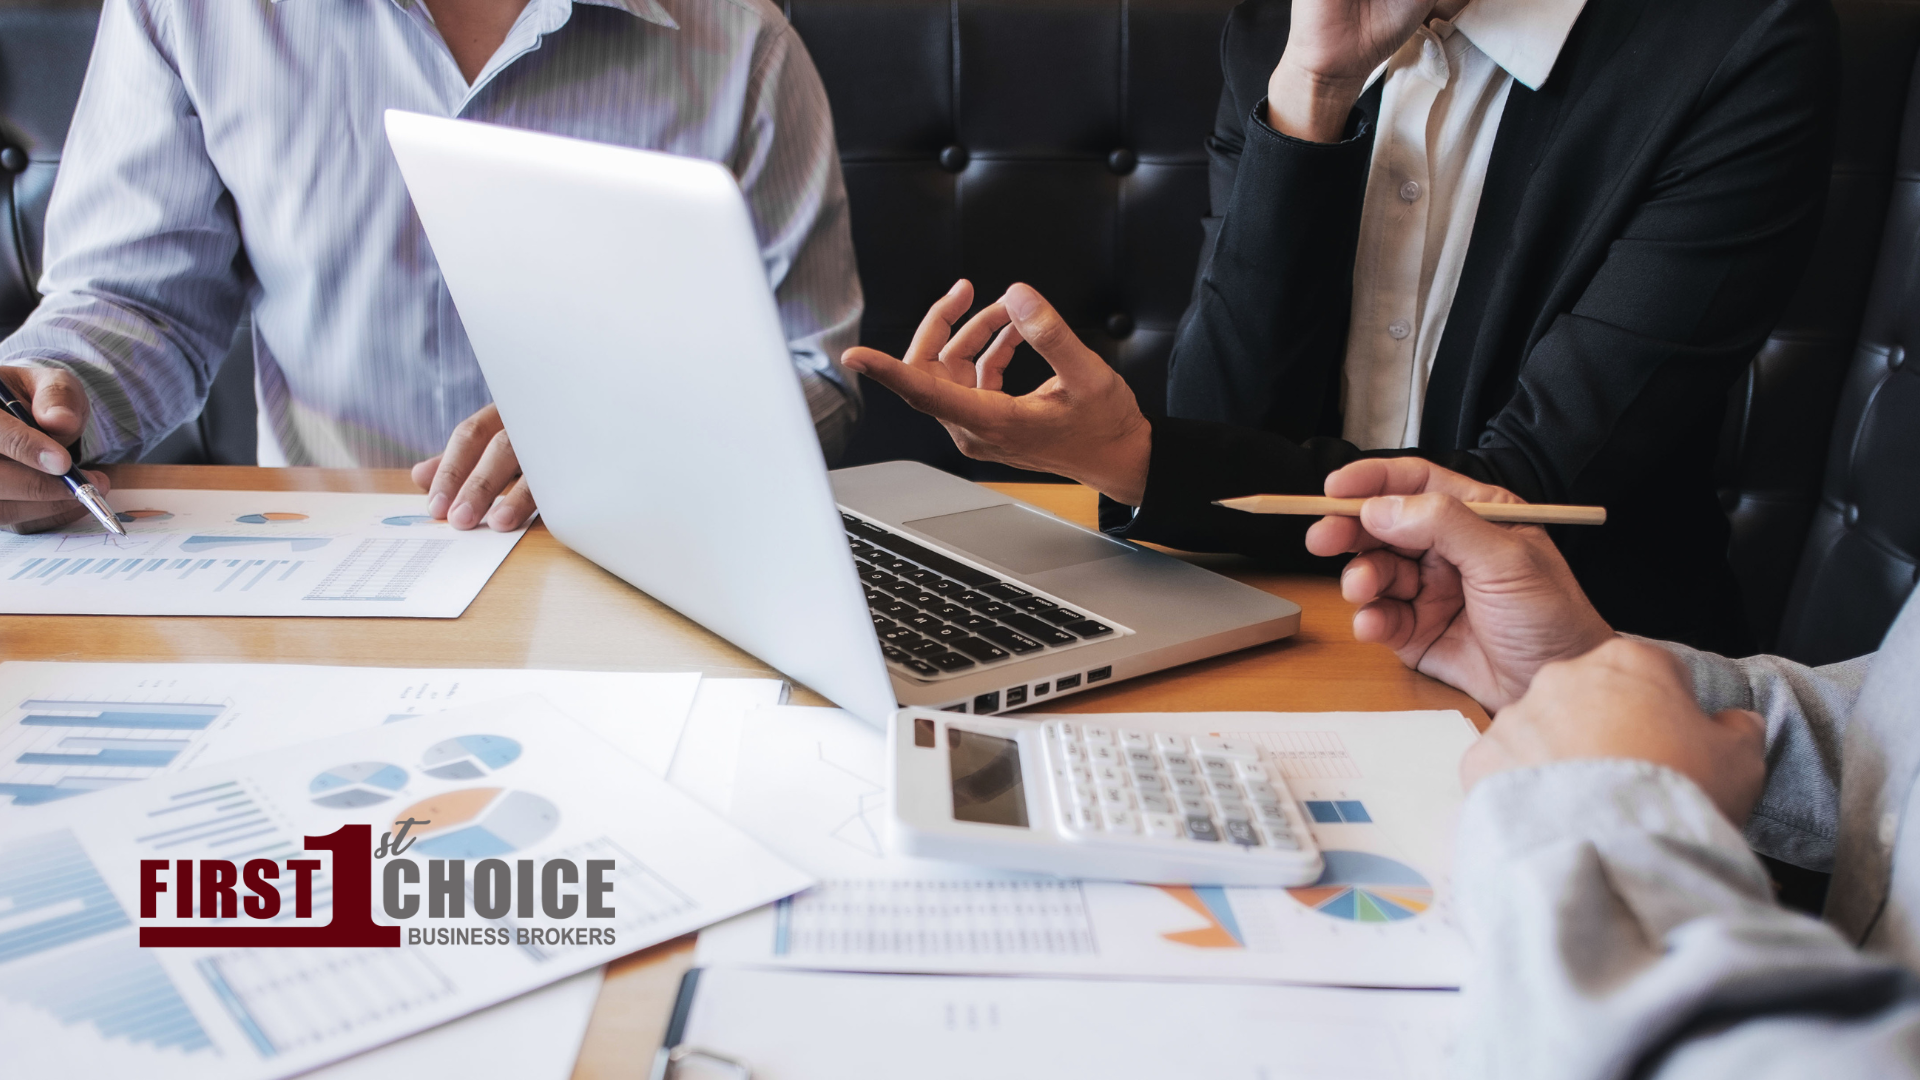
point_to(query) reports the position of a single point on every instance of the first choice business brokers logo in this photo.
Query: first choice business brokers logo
(211, 890)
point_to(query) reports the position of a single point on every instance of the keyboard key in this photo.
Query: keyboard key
(952, 612)
(887, 560)
(984, 651)
(902, 636)
(920, 574)
(898, 656)
(994, 608)
(948, 661)
(876, 598)
(948, 634)
(1060, 616)
(975, 623)
(896, 609)
(905, 589)
(1010, 640)
(1233, 749)
(920, 646)
(921, 597)
(1034, 603)
(1089, 629)
(973, 599)
(876, 578)
(1242, 833)
(924, 623)
(882, 625)
(1000, 590)
(1200, 827)
(863, 550)
(1046, 633)
(1163, 824)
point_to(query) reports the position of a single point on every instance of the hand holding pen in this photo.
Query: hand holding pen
(41, 486)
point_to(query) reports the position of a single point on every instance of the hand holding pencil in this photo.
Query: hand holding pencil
(1505, 512)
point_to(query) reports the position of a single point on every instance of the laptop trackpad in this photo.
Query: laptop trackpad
(1019, 539)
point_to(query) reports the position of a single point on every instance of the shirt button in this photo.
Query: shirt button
(1889, 825)
(1398, 329)
(1410, 190)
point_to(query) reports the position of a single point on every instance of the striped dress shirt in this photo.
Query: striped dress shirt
(230, 155)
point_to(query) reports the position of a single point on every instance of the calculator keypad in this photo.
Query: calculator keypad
(1165, 786)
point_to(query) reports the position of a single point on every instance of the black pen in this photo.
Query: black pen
(77, 481)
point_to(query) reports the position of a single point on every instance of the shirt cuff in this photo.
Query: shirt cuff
(1668, 852)
(1357, 128)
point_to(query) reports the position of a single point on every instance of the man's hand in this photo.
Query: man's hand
(32, 496)
(478, 477)
(1083, 423)
(1476, 605)
(1332, 46)
(1627, 700)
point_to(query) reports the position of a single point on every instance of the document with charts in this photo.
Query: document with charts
(253, 553)
(1381, 790)
(807, 1025)
(499, 794)
(67, 730)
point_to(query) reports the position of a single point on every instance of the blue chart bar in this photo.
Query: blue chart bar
(122, 992)
(120, 714)
(53, 896)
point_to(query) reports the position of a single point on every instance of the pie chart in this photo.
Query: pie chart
(469, 757)
(1360, 886)
(411, 519)
(480, 823)
(362, 783)
(271, 517)
(129, 516)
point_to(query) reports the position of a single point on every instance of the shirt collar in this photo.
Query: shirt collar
(1523, 36)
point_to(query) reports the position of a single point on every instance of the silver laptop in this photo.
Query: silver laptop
(620, 310)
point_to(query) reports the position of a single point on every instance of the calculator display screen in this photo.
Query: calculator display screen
(986, 779)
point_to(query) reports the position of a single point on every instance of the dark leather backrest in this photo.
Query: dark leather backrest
(1780, 415)
(1056, 142)
(1859, 559)
(43, 58)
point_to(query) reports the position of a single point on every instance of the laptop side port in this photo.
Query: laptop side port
(1016, 695)
(1066, 682)
(986, 703)
(1100, 674)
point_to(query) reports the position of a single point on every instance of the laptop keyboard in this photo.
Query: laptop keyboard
(937, 616)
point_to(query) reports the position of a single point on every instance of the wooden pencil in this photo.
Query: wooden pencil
(1322, 506)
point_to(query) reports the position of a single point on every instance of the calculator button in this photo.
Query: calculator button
(1200, 827)
(1103, 755)
(1270, 814)
(1073, 750)
(1082, 776)
(1068, 729)
(1188, 785)
(1149, 782)
(1120, 820)
(1110, 774)
(1224, 789)
(1136, 740)
(1168, 742)
(1234, 810)
(1156, 804)
(1179, 763)
(1283, 841)
(1142, 759)
(1217, 768)
(1084, 819)
(1242, 833)
(1261, 791)
(1228, 748)
(1193, 804)
(1112, 795)
(1250, 770)
(1163, 825)
(1097, 735)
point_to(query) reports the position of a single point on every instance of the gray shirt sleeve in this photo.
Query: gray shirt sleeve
(1806, 709)
(1621, 927)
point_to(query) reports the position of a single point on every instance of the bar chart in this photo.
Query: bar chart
(61, 748)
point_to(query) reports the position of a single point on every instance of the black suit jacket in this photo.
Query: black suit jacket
(1646, 213)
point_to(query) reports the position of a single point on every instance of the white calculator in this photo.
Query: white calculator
(1085, 800)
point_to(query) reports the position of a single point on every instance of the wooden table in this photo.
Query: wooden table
(548, 608)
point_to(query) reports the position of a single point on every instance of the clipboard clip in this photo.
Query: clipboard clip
(668, 1060)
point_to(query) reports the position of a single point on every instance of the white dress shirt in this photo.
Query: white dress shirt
(1440, 109)
(230, 152)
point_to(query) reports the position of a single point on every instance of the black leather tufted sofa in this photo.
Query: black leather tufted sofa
(1059, 142)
